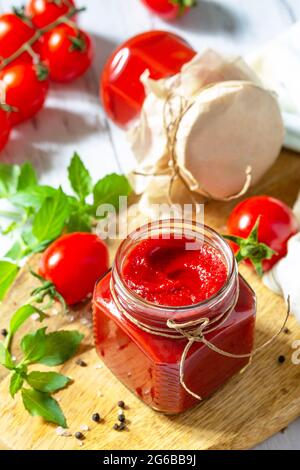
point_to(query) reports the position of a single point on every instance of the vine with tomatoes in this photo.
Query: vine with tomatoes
(39, 42)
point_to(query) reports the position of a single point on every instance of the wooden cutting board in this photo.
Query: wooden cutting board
(249, 408)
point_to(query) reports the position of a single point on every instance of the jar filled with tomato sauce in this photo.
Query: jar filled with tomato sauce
(161, 52)
(183, 273)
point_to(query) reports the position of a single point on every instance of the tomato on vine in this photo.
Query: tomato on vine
(14, 32)
(42, 28)
(169, 9)
(44, 12)
(68, 52)
(26, 86)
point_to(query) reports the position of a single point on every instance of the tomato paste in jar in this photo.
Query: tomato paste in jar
(161, 52)
(161, 275)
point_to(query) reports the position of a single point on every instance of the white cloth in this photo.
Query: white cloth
(278, 66)
(284, 277)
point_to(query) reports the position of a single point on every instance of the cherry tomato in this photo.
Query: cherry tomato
(161, 52)
(26, 88)
(14, 32)
(68, 52)
(73, 263)
(169, 9)
(277, 224)
(5, 127)
(45, 12)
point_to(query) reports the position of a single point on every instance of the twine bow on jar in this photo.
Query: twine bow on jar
(194, 331)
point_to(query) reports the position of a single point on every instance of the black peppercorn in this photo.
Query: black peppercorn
(286, 331)
(80, 362)
(96, 417)
(281, 359)
(116, 427)
(121, 418)
(122, 426)
(121, 404)
(4, 332)
(79, 435)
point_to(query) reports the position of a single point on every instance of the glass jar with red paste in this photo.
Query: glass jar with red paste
(161, 52)
(167, 273)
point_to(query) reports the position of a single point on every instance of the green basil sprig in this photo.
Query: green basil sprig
(39, 347)
(42, 213)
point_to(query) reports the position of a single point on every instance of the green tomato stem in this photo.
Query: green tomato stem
(9, 338)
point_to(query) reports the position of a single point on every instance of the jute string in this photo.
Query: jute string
(194, 332)
(171, 122)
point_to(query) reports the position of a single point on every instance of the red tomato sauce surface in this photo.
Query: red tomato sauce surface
(169, 273)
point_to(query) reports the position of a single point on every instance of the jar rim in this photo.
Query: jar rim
(169, 223)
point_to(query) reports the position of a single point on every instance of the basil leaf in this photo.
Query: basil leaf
(21, 315)
(47, 381)
(15, 253)
(33, 245)
(8, 272)
(50, 219)
(34, 345)
(41, 404)
(79, 222)
(16, 383)
(28, 176)
(59, 347)
(33, 196)
(28, 238)
(9, 175)
(40, 246)
(80, 178)
(110, 188)
(74, 204)
(5, 358)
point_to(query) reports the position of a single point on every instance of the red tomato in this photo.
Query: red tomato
(168, 9)
(26, 89)
(68, 52)
(161, 52)
(4, 128)
(14, 32)
(277, 224)
(73, 263)
(44, 12)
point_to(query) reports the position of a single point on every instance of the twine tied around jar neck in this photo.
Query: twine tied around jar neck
(171, 122)
(194, 332)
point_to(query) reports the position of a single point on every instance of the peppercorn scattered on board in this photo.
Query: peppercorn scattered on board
(248, 409)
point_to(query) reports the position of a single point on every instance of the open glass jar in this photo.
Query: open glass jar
(149, 364)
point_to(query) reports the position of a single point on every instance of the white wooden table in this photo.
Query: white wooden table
(73, 118)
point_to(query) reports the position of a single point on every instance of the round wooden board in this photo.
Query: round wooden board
(248, 409)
